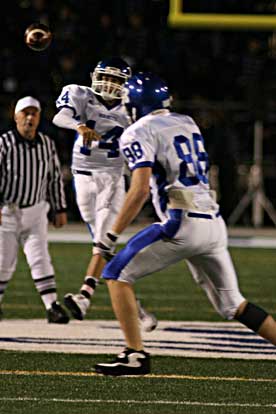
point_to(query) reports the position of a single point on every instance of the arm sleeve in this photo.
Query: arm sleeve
(138, 148)
(71, 105)
(55, 184)
(65, 119)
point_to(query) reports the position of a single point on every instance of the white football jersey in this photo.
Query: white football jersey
(173, 146)
(107, 122)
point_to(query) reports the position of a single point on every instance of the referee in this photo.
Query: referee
(30, 184)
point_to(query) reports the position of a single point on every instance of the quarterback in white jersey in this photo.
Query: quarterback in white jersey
(166, 154)
(99, 118)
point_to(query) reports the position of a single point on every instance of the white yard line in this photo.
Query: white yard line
(139, 402)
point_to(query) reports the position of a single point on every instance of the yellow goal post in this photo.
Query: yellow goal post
(177, 18)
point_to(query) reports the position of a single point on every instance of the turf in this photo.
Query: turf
(171, 294)
(36, 382)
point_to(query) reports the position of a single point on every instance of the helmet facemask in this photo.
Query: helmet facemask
(108, 83)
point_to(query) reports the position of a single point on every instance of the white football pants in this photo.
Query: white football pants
(202, 243)
(99, 199)
(27, 227)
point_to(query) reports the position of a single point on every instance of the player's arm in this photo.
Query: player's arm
(65, 119)
(135, 199)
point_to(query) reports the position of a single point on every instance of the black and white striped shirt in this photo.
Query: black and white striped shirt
(30, 171)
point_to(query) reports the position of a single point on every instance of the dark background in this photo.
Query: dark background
(225, 79)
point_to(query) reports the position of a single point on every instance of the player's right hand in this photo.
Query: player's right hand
(106, 247)
(88, 135)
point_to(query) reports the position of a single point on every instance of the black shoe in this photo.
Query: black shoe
(1, 314)
(128, 362)
(56, 314)
(77, 304)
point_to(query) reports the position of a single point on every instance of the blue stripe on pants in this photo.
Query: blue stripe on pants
(144, 238)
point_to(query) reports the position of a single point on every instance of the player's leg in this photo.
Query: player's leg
(99, 199)
(86, 192)
(111, 193)
(215, 273)
(136, 260)
(133, 360)
(125, 308)
(35, 246)
(8, 249)
(258, 320)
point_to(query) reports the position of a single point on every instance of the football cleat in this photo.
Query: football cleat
(128, 362)
(147, 320)
(56, 314)
(1, 314)
(77, 305)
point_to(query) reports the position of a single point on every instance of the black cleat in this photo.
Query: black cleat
(1, 314)
(56, 314)
(77, 304)
(128, 362)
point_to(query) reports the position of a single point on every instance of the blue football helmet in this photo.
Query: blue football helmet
(109, 77)
(144, 93)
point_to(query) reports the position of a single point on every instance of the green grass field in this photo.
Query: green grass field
(37, 382)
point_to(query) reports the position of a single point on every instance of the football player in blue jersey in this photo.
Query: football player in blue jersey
(98, 116)
(166, 154)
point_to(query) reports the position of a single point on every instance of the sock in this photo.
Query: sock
(89, 286)
(46, 286)
(3, 286)
(48, 299)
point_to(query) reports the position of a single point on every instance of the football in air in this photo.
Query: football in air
(38, 36)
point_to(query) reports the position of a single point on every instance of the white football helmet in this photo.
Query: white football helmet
(109, 77)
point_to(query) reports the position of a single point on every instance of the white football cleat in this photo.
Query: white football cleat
(148, 320)
(77, 304)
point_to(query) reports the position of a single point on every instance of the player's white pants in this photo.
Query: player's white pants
(202, 242)
(99, 199)
(26, 227)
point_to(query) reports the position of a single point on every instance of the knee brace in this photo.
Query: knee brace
(252, 316)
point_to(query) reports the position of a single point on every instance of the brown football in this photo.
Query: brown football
(38, 36)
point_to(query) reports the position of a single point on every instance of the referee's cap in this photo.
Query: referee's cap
(25, 103)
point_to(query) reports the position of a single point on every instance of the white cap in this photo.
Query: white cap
(25, 103)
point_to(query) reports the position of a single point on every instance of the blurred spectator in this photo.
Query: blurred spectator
(252, 70)
(107, 34)
(136, 42)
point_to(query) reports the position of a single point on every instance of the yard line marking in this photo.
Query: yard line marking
(164, 402)
(188, 339)
(169, 376)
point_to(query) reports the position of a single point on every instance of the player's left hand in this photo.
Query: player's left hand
(60, 219)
